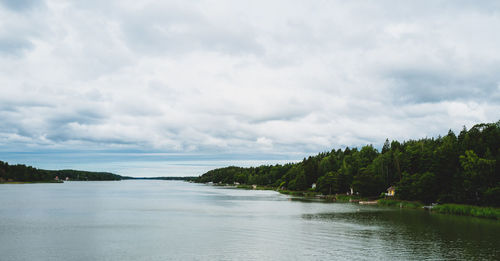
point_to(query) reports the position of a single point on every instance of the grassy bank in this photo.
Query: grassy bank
(312, 194)
(348, 198)
(452, 209)
(287, 192)
(467, 210)
(399, 203)
(307, 193)
(244, 186)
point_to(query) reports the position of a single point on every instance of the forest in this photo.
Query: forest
(23, 173)
(463, 168)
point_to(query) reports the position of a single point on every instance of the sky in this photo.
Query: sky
(176, 88)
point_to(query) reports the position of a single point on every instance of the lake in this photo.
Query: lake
(174, 220)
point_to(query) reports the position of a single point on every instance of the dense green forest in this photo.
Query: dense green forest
(451, 169)
(23, 173)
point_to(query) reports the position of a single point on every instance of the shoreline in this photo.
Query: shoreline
(30, 182)
(482, 212)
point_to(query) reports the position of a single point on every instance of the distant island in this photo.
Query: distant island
(463, 169)
(26, 174)
(23, 173)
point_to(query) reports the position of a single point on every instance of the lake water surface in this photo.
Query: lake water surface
(172, 220)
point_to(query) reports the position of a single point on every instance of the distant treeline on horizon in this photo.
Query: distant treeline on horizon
(162, 178)
(23, 173)
(450, 169)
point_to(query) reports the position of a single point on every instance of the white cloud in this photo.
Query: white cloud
(280, 77)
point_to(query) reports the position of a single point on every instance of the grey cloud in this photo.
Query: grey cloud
(84, 117)
(38, 119)
(279, 116)
(13, 46)
(434, 86)
(278, 110)
(21, 5)
(15, 104)
(65, 135)
(22, 23)
(177, 30)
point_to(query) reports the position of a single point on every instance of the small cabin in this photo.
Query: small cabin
(254, 186)
(313, 185)
(391, 191)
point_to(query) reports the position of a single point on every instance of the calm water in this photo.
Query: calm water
(169, 220)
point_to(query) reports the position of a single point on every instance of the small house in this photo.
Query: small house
(254, 186)
(313, 185)
(391, 191)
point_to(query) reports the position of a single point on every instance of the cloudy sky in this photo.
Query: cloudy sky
(173, 88)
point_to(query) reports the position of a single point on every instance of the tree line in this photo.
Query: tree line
(23, 173)
(162, 178)
(463, 168)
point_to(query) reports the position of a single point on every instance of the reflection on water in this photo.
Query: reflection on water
(416, 234)
(168, 220)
